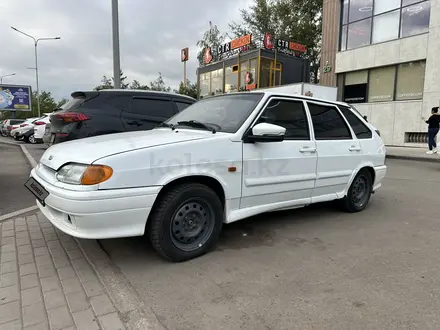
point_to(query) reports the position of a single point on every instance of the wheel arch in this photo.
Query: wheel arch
(369, 168)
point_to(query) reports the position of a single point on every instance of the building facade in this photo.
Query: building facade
(248, 63)
(383, 55)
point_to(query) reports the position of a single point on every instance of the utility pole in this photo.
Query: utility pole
(116, 55)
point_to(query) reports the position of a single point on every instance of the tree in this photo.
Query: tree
(135, 84)
(211, 38)
(159, 84)
(296, 20)
(108, 83)
(190, 89)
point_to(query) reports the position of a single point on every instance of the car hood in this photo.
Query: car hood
(89, 150)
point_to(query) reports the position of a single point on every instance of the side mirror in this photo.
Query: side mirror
(265, 132)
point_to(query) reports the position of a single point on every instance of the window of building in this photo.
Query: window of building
(205, 83)
(360, 9)
(415, 19)
(217, 82)
(359, 34)
(367, 21)
(328, 123)
(410, 81)
(386, 27)
(231, 80)
(290, 115)
(359, 128)
(355, 89)
(381, 84)
(382, 6)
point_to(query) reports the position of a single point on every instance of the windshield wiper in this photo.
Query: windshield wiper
(196, 123)
(166, 125)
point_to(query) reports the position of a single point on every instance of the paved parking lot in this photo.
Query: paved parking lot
(314, 268)
(14, 171)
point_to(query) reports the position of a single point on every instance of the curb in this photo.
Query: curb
(132, 310)
(8, 216)
(413, 158)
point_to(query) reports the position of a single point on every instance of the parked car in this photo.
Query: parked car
(40, 128)
(18, 129)
(92, 113)
(8, 124)
(223, 159)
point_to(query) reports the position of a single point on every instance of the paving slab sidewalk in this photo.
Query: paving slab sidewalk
(417, 154)
(46, 281)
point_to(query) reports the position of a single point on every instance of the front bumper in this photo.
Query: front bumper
(98, 214)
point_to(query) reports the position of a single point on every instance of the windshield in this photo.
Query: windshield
(225, 113)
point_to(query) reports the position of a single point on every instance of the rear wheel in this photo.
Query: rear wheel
(359, 193)
(186, 222)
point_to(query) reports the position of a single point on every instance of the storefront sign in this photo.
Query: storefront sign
(15, 98)
(235, 44)
(283, 46)
(184, 54)
(251, 87)
(207, 56)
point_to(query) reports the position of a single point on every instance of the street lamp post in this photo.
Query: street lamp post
(6, 75)
(36, 60)
(116, 56)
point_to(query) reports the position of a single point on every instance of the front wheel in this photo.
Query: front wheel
(31, 139)
(186, 222)
(359, 193)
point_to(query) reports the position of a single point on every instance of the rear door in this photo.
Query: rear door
(339, 152)
(145, 113)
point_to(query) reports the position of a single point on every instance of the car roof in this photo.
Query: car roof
(144, 91)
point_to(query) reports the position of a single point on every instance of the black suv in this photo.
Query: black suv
(92, 113)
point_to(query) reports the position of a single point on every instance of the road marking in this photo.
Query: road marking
(29, 157)
(17, 213)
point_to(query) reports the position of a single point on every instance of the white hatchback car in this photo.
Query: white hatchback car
(223, 159)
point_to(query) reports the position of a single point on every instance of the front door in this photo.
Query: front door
(280, 172)
(339, 153)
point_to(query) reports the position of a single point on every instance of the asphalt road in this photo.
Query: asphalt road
(313, 268)
(14, 171)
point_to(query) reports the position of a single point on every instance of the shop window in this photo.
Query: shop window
(355, 89)
(415, 19)
(382, 6)
(408, 2)
(345, 12)
(359, 34)
(231, 80)
(340, 85)
(386, 26)
(381, 84)
(344, 38)
(205, 84)
(410, 81)
(217, 82)
(360, 9)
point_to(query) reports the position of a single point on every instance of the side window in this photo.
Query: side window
(118, 102)
(328, 123)
(152, 107)
(360, 129)
(289, 114)
(181, 106)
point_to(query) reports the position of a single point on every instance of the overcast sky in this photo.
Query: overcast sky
(152, 32)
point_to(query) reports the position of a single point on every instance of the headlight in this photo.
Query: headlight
(84, 174)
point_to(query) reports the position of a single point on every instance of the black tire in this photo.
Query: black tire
(359, 193)
(202, 224)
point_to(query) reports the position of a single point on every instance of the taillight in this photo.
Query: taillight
(72, 117)
(39, 123)
(23, 125)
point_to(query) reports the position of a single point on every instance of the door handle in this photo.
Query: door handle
(134, 122)
(307, 149)
(354, 148)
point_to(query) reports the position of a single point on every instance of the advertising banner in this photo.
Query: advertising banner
(15, 98)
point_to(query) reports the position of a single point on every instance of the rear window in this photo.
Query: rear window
(73, 103)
